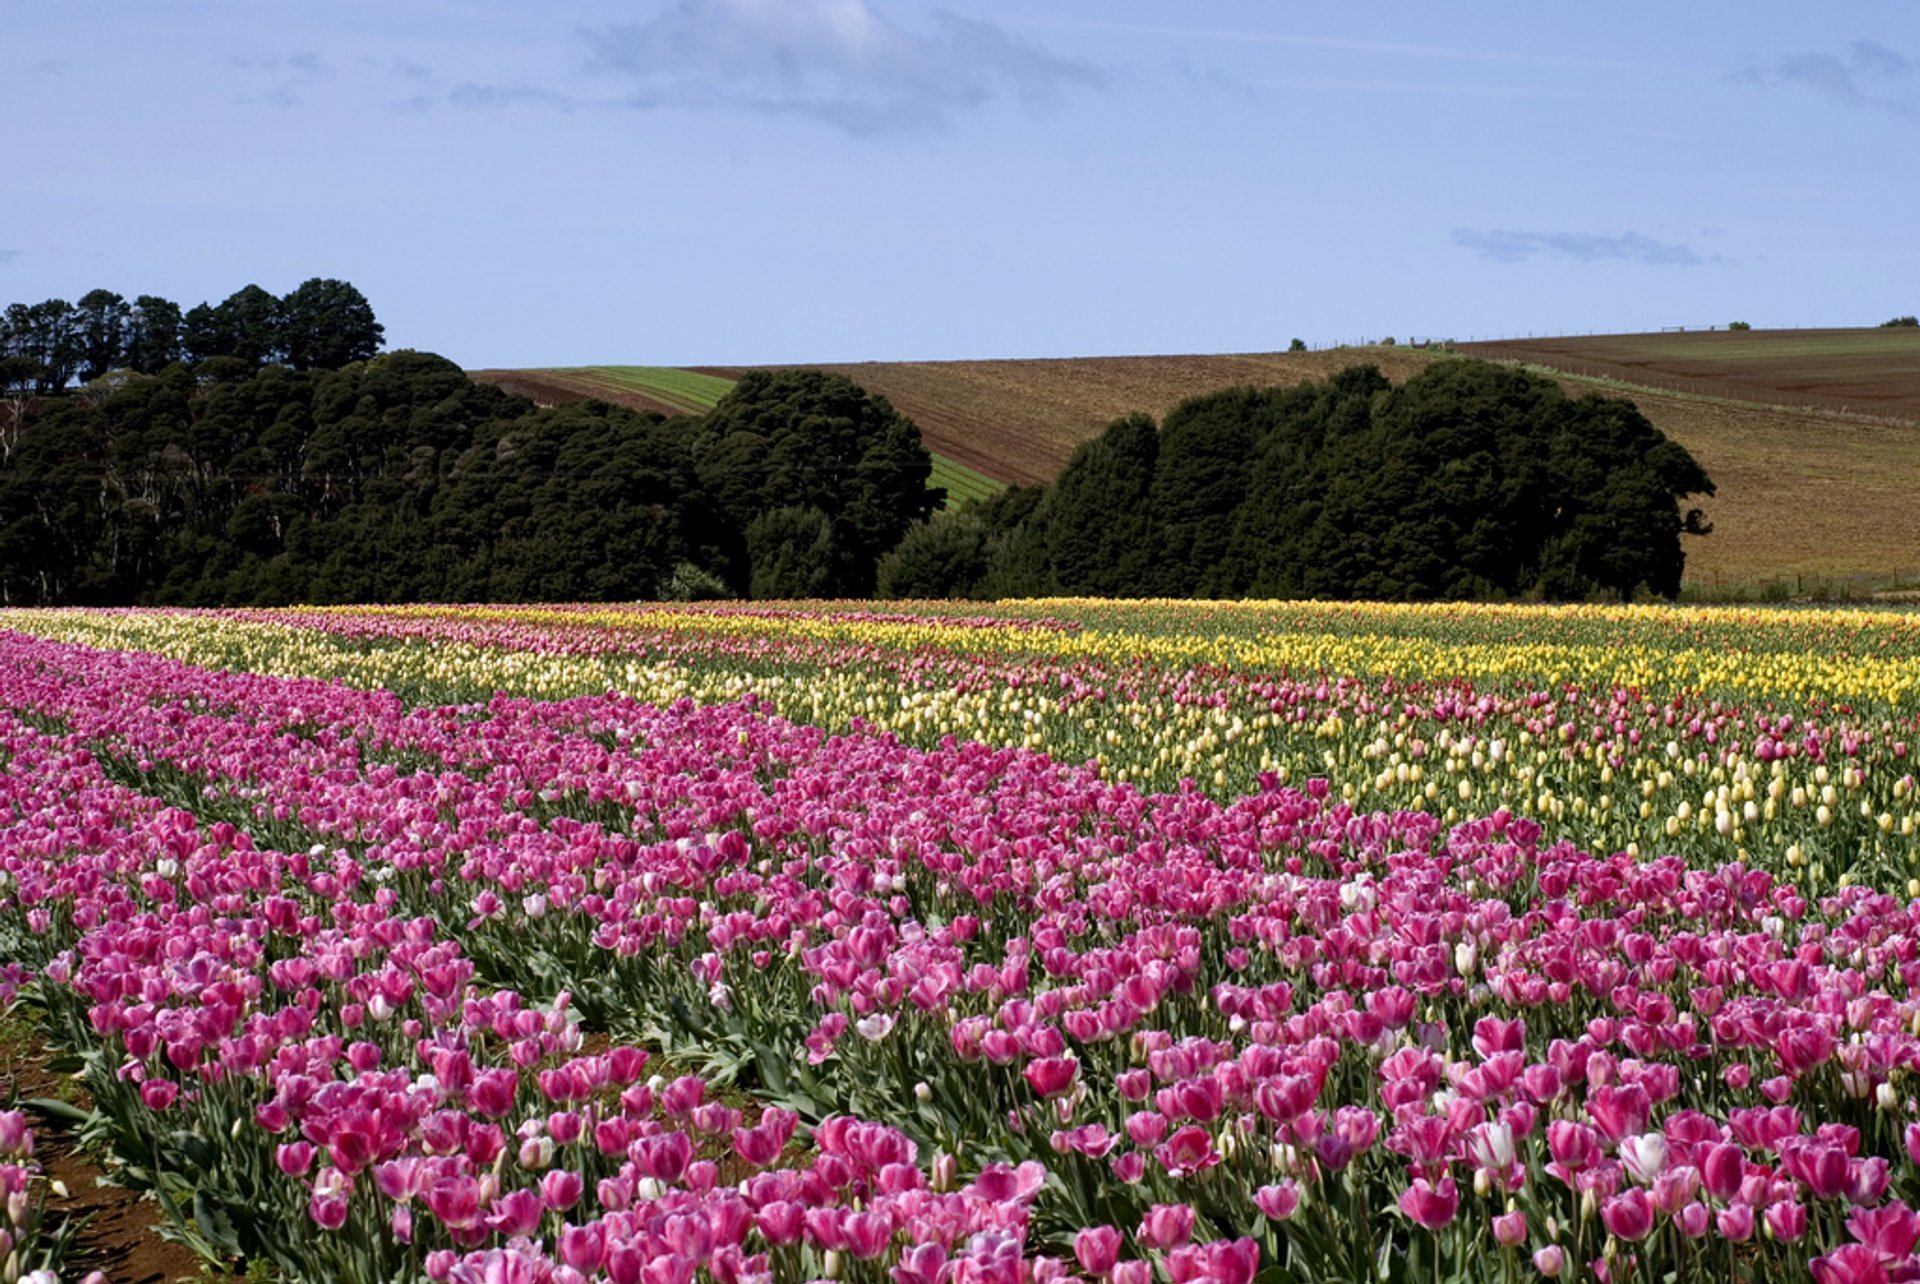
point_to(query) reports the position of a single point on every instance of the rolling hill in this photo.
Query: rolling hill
(1810, 436)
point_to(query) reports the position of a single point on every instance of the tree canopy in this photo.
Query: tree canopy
(399, 479)
(1469, 480)
(322, 324)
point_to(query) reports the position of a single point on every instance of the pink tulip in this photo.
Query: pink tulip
(1277, 1203)
(329, 1212)
(1052, 1076)
(1096, 1248)
(1850, 1264)
(1786, 1220)
(1165, 1226)
(1722, 1168)
(1628, 1215)
(561, 1189)
(1429, 1204)
(1892, 1230)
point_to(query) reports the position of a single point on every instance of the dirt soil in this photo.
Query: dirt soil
(119, 1232)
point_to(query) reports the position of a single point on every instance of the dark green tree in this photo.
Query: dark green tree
(1199, 483)
(1093, 524)
(945, 557)
(46, 335)
(326, 324)
(245, 325)
(793, 554)
(804, 439)
(154, 334)
(103, 324)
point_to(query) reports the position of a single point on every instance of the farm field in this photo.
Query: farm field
(1868, 372)
(1811, 496)
(1073, 940)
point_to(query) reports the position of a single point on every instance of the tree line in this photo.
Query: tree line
(245, 478)
(321, 324)
(398, 479)
(1470, 480)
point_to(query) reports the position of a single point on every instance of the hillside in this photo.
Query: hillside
(1809, 492)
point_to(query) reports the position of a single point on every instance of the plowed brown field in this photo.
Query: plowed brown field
(1808, 435)
(1874, 372)
(550, 388)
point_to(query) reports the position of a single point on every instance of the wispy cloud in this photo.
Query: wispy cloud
(291, 76)
(836, 61)
(50, 68)
(1384, 48)
(475, 95)
(1507, 246)
(8, 256)
(1868, 74)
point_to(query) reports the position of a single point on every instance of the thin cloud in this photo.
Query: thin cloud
(8, 256)
(498, 96)
(1387, 48)
(836, 61)
(293, 74)
(1868, 74)
(1506, 246)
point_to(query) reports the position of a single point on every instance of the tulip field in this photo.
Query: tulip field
(938, 944)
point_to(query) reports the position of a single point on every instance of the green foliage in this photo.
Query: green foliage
(1738, 325)
(943, 558)
(1089, 532)
(793, 553)
(1297, 345)
(804, 439)
(326, 324)
(155, 334)
(1900, 322)
(246, 325)
(1471, 480)
(690, 583)
(399, 479)
(322, 324)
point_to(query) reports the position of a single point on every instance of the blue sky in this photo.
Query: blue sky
(742, 181)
